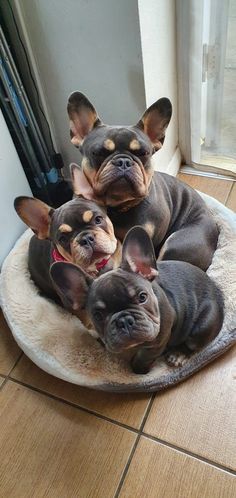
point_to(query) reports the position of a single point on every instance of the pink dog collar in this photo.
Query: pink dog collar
(56, 256)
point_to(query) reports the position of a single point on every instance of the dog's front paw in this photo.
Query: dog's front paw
(176, 358)
(100, 342)
(139, 368)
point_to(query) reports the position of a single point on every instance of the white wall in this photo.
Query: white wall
(158, 39)
(13, 183)
(121, 53)
(88, 45)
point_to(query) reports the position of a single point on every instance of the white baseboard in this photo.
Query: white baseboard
(175, 163)
(189, 170)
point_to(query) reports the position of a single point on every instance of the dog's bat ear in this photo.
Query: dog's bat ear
(155, 121)
(138, 254)
(83, 117)
(34, 213)
(81, 185)
(71, 284)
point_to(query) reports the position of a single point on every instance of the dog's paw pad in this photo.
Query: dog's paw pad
(176, 359)
(139, 369)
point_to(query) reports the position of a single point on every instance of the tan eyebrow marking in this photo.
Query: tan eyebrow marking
(109, 144)
(101, 304)
(131, 291)
(134, 144)
(65, 228)
(87, 216)
(85, 163)
(150, 228)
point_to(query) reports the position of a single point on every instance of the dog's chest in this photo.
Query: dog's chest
(154, 218)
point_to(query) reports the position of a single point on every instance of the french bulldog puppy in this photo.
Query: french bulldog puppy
(79, 231)
(167, 307)
(117, 167)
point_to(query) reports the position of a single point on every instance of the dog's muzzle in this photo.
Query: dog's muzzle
(129, 329)
(122, 163)
(121, 177)
(87, 240)
(125, 324)
(125, 167)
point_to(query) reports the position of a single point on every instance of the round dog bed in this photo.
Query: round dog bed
(58, 343)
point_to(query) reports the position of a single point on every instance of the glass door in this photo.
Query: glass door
(218, 131)
(210, 52)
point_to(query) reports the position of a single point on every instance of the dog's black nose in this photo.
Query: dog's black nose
(125, 323)
(87, 240)
(123, 163)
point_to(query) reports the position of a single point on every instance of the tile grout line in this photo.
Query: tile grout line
(189, 453)
(7, 377)
(139, 432)
(127, 466)
(73, 405)
(128, 463)
(227, 198)
(147, 412)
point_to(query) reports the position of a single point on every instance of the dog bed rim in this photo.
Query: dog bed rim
(55, 368)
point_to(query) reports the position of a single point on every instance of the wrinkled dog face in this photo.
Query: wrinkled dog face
(83, 233)
(116, 162)
(80, 229)
(124, 310)
(116, 159)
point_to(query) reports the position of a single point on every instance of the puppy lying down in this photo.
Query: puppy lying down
(79, 232)
(168, 307)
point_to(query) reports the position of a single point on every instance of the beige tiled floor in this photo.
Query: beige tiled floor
(63, 441)
(52, 449)
(158, 471)
(9, 351)
(193, 415)
(127, 409)
(231, 202)
(220, 189)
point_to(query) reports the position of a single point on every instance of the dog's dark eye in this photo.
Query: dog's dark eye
(142, 152)
(142, 297)
(100, 153)
(98, 316)
(98, 220)
(63, 238)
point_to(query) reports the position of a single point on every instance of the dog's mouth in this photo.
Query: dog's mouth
(98, 257)
(94, 255)
(120, 348)
(121, 176)
(144, 331)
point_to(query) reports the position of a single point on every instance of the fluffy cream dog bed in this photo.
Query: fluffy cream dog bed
(58, 343)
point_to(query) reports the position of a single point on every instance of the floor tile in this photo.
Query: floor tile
(231, 202)
(200, 414)
(49, 449)
(126, 408)
(160, 472)
(9, 351)
(212, 186)
(1, 380)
